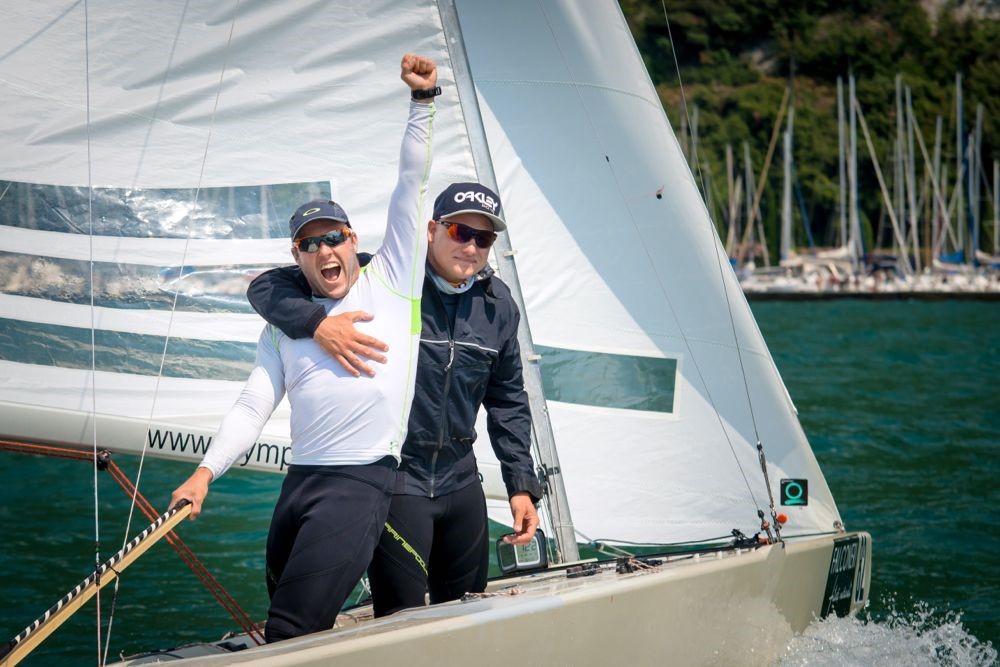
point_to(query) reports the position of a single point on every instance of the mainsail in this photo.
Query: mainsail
(152, 152)
(166, 167)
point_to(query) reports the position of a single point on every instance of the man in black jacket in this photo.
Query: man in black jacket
(436, 536)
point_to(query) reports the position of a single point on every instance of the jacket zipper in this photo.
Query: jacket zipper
(444, 397)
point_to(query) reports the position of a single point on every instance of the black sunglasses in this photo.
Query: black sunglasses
(463, 234)
(332, 239)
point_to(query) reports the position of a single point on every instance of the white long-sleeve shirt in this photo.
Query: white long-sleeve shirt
(336, 418)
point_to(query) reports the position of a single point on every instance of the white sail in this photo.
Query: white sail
(581, 147)
(164, 152)
(198, 140)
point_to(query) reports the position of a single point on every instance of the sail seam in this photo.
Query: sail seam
(570, 84)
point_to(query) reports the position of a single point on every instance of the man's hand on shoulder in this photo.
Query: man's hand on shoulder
(338, 337)
(418, 72)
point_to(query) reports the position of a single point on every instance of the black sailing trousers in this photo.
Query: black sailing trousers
(326, 523)
(438, 545)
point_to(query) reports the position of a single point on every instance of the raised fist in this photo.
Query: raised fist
(418, 72)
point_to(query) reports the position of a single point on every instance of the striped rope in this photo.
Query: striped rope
(91, 584)
(213, 585)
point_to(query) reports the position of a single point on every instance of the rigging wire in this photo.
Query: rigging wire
(173, 307)
(93, 336)
(187, 243)
(729, 310)
(646, 250)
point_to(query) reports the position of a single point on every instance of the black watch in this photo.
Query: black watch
(425, 93)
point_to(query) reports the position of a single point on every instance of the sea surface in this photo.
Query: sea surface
(900, 401)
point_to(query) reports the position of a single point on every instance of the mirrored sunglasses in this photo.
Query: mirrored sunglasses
(463, 234)
(332, 239)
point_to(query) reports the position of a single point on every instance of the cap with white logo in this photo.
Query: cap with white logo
(470, 198)
(317, 209)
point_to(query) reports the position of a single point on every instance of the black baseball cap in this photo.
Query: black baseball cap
(470, 198)
(317, 209)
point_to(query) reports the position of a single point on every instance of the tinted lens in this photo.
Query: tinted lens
(463, 234)
(332, 239)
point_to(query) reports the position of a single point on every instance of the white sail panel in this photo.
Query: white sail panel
(199, 140)
(308, 92)
(199, 326)
(199, 402)
(148, 251)
(616, 253)
(47, 404)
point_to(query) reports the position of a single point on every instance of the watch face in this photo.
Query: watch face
(527, 554)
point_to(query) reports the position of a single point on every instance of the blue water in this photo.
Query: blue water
(900, 403)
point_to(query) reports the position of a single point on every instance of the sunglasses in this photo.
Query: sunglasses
(332, 239)
(463, 234)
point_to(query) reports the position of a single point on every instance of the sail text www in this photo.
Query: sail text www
(261, 454)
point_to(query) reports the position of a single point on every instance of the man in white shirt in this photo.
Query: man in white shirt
(346, 431)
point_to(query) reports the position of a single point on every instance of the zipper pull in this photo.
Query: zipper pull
(451, 354)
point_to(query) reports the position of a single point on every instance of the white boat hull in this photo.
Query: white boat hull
(727, 607)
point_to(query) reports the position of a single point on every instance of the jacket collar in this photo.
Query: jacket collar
(484, 278)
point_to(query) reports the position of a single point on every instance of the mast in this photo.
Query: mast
(970, 200)
(786, 192)
(842, 161)
(748, 182)
(852, 175)
(974, 182)
(959, 166)
(937, 219)
(899, 158)
(886, 198)
(732, 210)
(556, 499)
(684, 137)
(753, 213)
(785, 251)
(996, 207)
(946, 217)
(706, 177)
(694, 136)
(911, 181)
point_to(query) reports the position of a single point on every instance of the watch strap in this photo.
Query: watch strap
(425, 93)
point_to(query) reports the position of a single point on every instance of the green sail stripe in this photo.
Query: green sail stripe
(236, 212)
(570, 376)
(608, 380)
(118, 352)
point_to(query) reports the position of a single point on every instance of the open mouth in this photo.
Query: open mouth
(331, 271)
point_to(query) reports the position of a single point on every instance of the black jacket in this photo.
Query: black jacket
(477, 363)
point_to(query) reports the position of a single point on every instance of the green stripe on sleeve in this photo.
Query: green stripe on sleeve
(416, 324)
